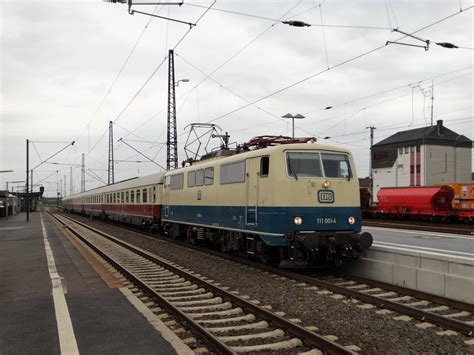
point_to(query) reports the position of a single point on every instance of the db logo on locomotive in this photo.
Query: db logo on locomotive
(326, 196)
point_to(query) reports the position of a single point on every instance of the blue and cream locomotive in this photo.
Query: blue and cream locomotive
(289, 202)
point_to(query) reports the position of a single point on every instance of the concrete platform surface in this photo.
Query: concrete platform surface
(441, 243)
(52, 301)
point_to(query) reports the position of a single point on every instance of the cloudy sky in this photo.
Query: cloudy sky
(70, 67)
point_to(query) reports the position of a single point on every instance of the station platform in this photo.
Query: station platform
(53, 301)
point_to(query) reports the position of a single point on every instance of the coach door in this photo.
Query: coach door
(251, 182)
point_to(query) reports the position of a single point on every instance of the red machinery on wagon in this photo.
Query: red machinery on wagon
(430, 201)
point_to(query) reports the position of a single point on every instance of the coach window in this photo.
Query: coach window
(176, 181)
(126, 196)
(122, 197)
(145, 196)
(209, 176)
(264, 166)
(154, 195)
(200, 177)
(191, 178)
(132, 196)
(138, 197)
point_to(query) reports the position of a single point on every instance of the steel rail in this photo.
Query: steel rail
(450, 323)
(306, 335)
(409, 292)
(214, 342)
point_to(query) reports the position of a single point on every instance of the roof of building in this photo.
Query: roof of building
(432, 135)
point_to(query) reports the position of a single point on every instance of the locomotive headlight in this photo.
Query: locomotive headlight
(327, 184)
(351, 220)
(298, 220)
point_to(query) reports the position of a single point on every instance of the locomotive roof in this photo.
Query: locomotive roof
(262, 152)
(155, 178)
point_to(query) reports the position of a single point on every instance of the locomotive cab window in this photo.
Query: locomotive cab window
(264, 166)
(301, 164)
(336, 166)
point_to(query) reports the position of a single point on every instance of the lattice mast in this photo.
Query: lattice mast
(111, 154)
(172, 136)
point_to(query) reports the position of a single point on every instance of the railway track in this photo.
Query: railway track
(429, 309)
(428, 227)
(226, 322)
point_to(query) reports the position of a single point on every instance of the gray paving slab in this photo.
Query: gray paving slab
(104, 321)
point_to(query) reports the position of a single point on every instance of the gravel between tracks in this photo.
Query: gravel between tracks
(372, 332)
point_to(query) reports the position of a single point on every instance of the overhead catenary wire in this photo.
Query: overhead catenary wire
(152, 74)
(209, 75)
(331, 68)
(273, 19)
(112, 85)
(379, 103)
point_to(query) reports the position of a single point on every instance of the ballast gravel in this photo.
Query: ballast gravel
(342, 317)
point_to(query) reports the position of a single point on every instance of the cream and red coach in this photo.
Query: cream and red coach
(136, 201)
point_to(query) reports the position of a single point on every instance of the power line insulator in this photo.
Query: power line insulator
(296, 23)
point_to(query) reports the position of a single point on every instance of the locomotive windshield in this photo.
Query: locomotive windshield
(303, 164)
(336, 166)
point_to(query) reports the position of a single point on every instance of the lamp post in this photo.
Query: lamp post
(182, 81)
(293, 117)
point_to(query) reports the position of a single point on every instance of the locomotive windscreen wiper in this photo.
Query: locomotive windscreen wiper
(291, 170)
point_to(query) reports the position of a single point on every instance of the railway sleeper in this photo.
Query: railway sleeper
(225, 313)
(210, 301)
(277, 333)
(283, 345)
(245, 318)
(257, 325)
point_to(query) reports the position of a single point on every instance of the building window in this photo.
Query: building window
(264, 166)
(209, 176)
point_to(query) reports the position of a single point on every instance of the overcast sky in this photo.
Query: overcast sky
(65, 75)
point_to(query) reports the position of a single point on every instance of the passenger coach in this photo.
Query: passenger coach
(135, 201)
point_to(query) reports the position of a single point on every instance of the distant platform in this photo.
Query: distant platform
(53, 301)
(415, 240)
